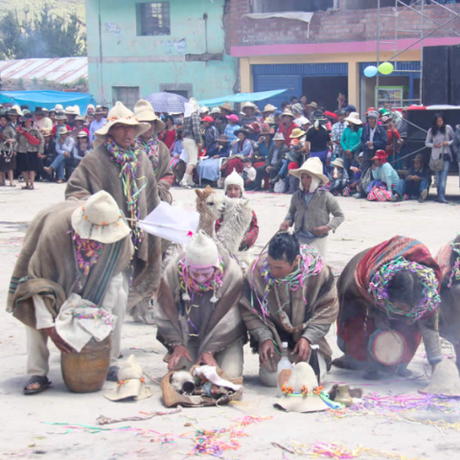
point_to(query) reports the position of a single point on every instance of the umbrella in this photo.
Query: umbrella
(167, 102)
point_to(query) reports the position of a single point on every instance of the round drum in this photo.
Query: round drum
(85, 372)
(387, 347)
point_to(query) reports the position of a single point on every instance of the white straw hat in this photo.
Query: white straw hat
(445, 380)
(269, 108)
(234, 179)
(279, 137)
(312, 166)
(249, 105)
(119, 114)
(338, 162)
(143, 111)
(100, 219)
(354, 118)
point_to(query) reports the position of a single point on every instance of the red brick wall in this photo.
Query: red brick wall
(337, 26)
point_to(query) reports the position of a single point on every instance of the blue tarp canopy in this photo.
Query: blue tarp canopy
(242, 97)
(47, 99)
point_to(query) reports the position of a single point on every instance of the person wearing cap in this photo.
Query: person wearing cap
(289, 295)
(8, 150)
(96, 124)
(209, 169)
(64, 159)
(233, 124)
(336, 134)
(123, 170)
(226, 109)
(319, 139)
(29, 144)
(192, 142)
(287, 126)
(338, 177)
(61, 119)
(234, 188)
(350, 141)
(58, 258)
(384, 175)
(197, 312)
(248, 110)
(349, 109)
(47, 157)
(312, 206)
(393, 287)
(210, 133)
(417, 181)
(13, 115)
(373, 138)
(41, 121)
(155, 149)
(273, 162)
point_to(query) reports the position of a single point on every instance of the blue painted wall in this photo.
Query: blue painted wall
(150, 61)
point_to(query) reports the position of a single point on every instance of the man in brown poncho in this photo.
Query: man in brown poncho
(70, 248)
(197, 311)
(156, 150)
(289, 295)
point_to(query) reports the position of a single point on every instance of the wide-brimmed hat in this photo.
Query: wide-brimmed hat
(80, 118)
(269, 108)
(45, 132)
(60, 115)
(58, 107)
(338, 162)
(242, 130)
(279, 137)
(100, 219)
(215, 110)
(131, 383)
(143, 111)
(204, 109)
(120, 114)
(82, 134)
(297, 133)
(445, 380)
(63, 130)
(302, 121)
(72, 110)
(249, 105)
(99, 110)
(419, 157)
(15, 111)
(223, 139)
(202, 251)
(313, 105)
(255, 126)
(288, 113)
(27, 117)
(302, 392)
(233, 117)
(354, 118)
(226, 106)
(312, 166)
(39, 111)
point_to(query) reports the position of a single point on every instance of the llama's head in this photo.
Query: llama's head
(210, 203)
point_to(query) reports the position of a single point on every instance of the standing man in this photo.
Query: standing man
(156, 150)
(123, 170)
(289, 295)
(192, 141)
(336, 134)
(373, 138)
(98, 123)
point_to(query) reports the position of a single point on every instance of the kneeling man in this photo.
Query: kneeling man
(289, 296)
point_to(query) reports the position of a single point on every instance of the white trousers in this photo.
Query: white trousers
(230, 360)
(115, 300)
(318, 244)
(191, 150)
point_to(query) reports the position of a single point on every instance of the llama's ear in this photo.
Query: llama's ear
(199, 193)
(208, 189)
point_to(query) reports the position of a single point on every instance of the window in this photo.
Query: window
(153, 18)
(128, 95)
(275, 6)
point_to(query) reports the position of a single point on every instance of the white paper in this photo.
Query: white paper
(210, 373)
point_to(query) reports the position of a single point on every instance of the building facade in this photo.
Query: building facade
(136, 48)
(325, 47)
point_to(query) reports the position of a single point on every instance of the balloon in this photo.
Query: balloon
(370, 71)
(386, 68)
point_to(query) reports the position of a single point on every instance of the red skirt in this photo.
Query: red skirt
(235, 164)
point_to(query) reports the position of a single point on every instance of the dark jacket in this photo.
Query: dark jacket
(224, 152)
(380, 140)
(425, 173)
(50, 150)
(284, 149)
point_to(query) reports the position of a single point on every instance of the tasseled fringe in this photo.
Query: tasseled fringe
(186, 297)
(214, 298)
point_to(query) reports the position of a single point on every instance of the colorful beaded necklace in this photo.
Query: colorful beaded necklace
(87, 253)
(455, 273)
(128, 162)
(151, 149)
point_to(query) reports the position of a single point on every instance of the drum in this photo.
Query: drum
(387, 347)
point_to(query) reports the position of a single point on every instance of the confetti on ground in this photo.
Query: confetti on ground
(145, 350)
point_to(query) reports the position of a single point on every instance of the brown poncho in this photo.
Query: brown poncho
(47, 265)
(218, 325)
(289, 318)
(164, 174)
(97, 172)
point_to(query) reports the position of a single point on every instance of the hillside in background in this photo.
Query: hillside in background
(59, 7)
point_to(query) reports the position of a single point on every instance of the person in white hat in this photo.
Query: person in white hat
(41, 120)
(350, 141)
(287, 125)
(339, 177)
(61, 119)
(98, 123)
(197, 311)
(269, 109)
(311, 207)
(155, 149)
(64, 148)
(72, 112)
(73, 247)
(289, 295)
(248, 110)
(120, 168)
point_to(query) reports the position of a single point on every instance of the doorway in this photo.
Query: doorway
(324, 90)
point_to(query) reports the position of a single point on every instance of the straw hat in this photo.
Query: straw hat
(63, 130)
(297, 133)
(99, 110)
(143, 111)
(301, 121)
(204, 109)
(312, 166)
(288, 113)
(130, 383)
(82, 134)
(304, 385)
(60, 115)
(46, 132)
(15, 111)
(445, 380)
(120, 114)
(269, 108)
(226, 106)
(313, 105)
(279, 137)
(242, 130)
(72, 110)
(100, 219)
(79, 118)
(354, 118)
(202, 251)
(419, 157)
(338, 162)
(248, 105)
(58, 107)
(215, 110)
(234, 179)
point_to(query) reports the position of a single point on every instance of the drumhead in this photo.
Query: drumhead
(387, 347)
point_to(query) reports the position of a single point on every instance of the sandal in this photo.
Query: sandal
(60, 181)
(31, 187)
(112, 375)
(12, 185)
(41, 380)
(26, 187)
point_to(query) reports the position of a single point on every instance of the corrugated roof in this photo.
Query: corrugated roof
(56, 70)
